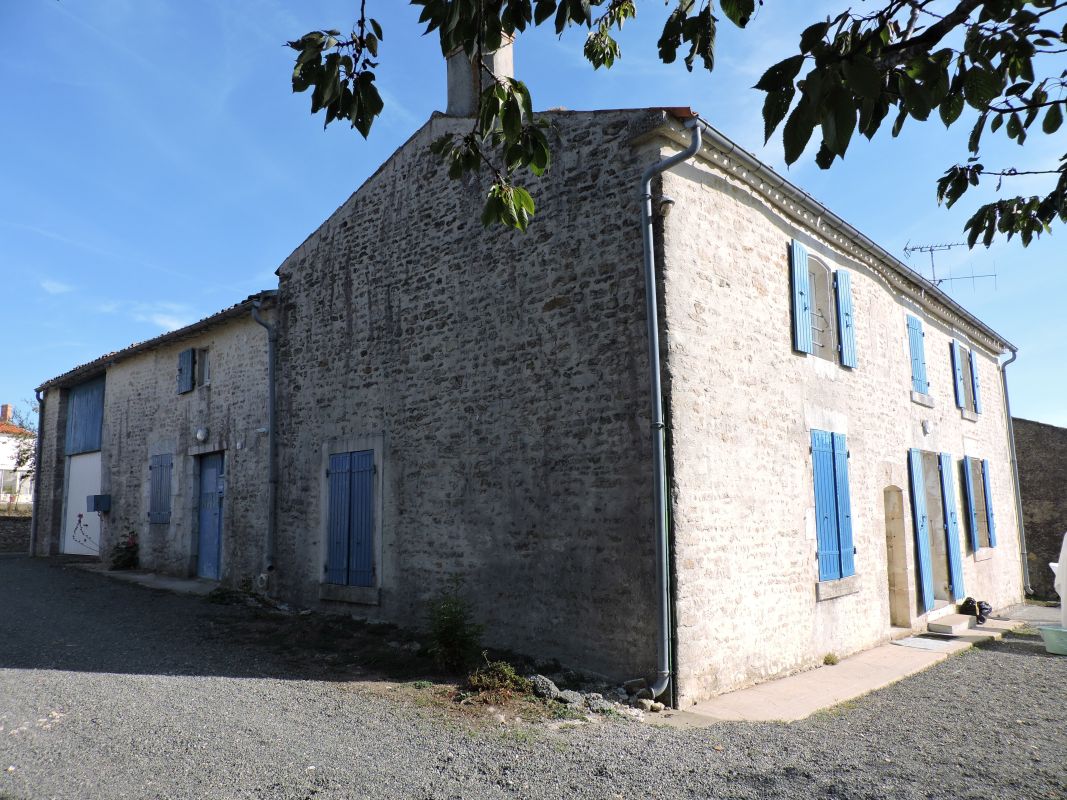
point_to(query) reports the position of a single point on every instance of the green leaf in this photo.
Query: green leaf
(981, 86)
(376, 28)
(1053, 119)
(738, 12)
(775, 107)
(798, 130)
(862, 77)
(781, 75)
(951, 108)
(975, 138)
(813, 35)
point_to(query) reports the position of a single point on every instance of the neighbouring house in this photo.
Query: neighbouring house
(16, 475)
(165, 439)
(460, 403)
(1042, 453)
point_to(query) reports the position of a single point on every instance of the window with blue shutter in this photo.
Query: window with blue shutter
(833, 514)
(991, 524)
(951, 525)
(917, 348)
(802, 334)
(921, 524)
(186, 370)
(85, 417)
(160, 470)
(965, 374)
(350, 519)
(846, 331)
(981, 525)
(975, 394)
(957, 375)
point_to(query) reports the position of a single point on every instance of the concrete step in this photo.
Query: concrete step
(951, 624)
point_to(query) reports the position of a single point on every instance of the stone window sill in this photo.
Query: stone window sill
(968, 415)
(358, 595)
(922, 399)
(983, 554)
(828, 590)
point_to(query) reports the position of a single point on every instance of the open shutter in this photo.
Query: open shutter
(917, 346)
(338, 518)
(846, 328)
(160, 470)
(186, 369)
(844, 506)
(822, 459)
(957, 372)
(988, 504)
(952, 527)
(802, 338)
(974, 383)
(361, 549)
(922, 530)
(153, 489)
(968, 498)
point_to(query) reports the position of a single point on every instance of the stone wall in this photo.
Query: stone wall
(50, 473)
(14, 534)
(742, 405)
(145, 416)
(503, 377)
(1042, 453)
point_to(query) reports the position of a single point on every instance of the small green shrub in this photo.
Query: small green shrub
(421, 684)
(830, 659)
(497, 681)
(124, 555)
(455, 639)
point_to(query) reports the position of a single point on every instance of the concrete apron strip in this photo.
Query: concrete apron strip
(799, 696)
(151, 580)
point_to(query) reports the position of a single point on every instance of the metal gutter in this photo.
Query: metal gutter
(1027, 588)
(659, 464)
(272, 442)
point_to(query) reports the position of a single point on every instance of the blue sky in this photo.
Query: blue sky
(156, 168)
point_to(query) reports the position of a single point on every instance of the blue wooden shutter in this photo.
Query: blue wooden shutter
(85, 417)
(361, 546)
(160, 470)
(802, 337)
(968, 497)
(974, 383)
(952, 528)
(917, 345)
(957, 372)
(822, 459)
(844, 506)
(186, 370)
(846, 328)
(922, 530)
(989, 504)
(338, 518)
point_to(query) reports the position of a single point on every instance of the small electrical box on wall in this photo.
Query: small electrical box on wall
(100, 503)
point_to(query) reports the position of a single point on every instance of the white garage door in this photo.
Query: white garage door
(81, 529)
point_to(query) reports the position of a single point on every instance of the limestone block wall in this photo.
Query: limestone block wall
(1042, 453)
(145, 416)
(504, 376)
(50, 473)
(742, 406)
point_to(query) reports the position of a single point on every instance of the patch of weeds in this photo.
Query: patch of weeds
(830, 659)
(497, 681)
(1026, 630)
(222, 596)
(455, 639)
(566, 711)
(519, 736)
(124, 555)
(421, 684)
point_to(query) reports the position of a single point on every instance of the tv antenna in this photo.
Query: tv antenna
(934, 248)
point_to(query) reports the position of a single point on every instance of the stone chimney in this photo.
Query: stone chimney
(463, 77)
(5, 412)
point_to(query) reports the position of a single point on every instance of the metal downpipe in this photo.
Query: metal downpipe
(659, 465)
(36, 511)
(272, 445)
(1027, 588)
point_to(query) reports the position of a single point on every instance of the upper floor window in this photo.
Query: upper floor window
(917, 348)
(965, 374)
(194, 369)
(822, 309)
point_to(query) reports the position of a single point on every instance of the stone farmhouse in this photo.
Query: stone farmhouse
(449, 402)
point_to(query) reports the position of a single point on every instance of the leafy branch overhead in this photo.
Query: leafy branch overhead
(998, 61)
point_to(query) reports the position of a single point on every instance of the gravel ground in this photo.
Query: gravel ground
(114, 691)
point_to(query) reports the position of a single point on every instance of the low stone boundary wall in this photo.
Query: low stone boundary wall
(14, 534)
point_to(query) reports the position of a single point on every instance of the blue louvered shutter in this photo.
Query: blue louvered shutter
(844, 506)
(338, 518)
(186, 368)
(952, 528)
(957, 373)
(922, 530)
(917, 346)
(160, 470)
(989, 504)
(846, 328)
(361, 546)
(974, 383)
(822, 459)
(85, 417)
(968, 497)
(802, 336)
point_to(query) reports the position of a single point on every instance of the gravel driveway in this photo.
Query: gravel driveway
(114, 691)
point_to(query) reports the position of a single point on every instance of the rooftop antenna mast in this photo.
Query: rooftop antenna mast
(933, 248)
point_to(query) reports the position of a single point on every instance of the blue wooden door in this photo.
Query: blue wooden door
(210, 539)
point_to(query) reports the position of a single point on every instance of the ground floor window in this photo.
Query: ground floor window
(981, 523)
(350, 519)
(936, 522)
(833, 510)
